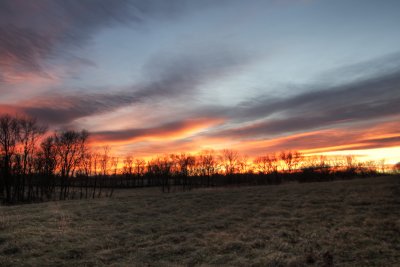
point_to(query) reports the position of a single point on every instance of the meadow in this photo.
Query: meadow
(340, 223)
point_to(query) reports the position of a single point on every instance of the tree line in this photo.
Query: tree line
(38, 165)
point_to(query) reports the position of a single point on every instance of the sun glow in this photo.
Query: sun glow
(391, 155)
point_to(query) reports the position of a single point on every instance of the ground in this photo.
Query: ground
(343, 223)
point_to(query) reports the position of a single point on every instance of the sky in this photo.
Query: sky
(167, 76)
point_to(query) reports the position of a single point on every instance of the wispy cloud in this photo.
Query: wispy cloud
(174, 130)
(364, 136)
(176, 78)
(44, 72)
(32, 32)
(367, 99)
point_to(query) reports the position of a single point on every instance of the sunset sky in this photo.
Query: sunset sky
(153, 77)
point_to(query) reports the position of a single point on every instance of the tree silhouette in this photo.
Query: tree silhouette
(396, 167)
(35, 167)
(9, 136)
(230, 159)
(70, 150)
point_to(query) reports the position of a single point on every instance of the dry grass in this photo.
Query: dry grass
(344, 223)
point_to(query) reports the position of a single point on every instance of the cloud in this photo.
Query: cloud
(175, 129)
(34, 32)
(372, 68)
(180, 74)
(22, 49)
(168, 138)
(173, 78)
(365, 136)
(370, 91)
(362, 100)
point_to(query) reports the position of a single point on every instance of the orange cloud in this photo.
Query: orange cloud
(162, 133)
(191, 136)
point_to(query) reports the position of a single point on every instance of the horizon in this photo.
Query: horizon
(157, 77)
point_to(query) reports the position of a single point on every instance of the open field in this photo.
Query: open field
(342, 223)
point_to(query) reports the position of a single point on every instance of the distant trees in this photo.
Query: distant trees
(396, 168)
(207, 163)
(229, 160)
(290, 159)
(160, 171)
(34, 164)
(207, 166)
(266, 164)
(128, 165)
(37, 165)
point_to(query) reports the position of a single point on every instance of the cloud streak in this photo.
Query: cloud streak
(366, 136)
(362, 100)
(165, 131)
(36, 31)
(73, 63)
(176, 78)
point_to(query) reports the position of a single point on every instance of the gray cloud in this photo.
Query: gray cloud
(348, 97)
(34, 31)
(161, 130)
(362, 100)
(376, 67)
(22, 49)
(176, 78)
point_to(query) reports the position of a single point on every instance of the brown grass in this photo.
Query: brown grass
(344, 223)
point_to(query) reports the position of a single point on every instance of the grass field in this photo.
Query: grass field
(343, 223)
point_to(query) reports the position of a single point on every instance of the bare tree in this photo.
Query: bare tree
(291, 159)
(127, 171)
(128, 165)
(96, 162)
(350, 164)
(185, 163)
(243, 164)
(46, 164)
(140, 167)
(30, 133)
(9, 137)
(114, 165)
(160, 168)
(230, 160)
(297, 159)
(104, 166)
(70, 147)
(207, 163)
(261, 164)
